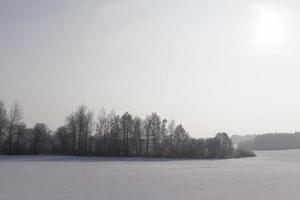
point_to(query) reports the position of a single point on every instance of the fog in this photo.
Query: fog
(212, 65)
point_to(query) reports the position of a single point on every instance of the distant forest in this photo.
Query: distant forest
(269, 141)
(109, 134)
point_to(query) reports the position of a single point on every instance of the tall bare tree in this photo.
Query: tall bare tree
(15, 118)
(171, 130)
(20, 138)
(100, 131)
(71, 124)
(127, 127)
(3, 123)
(64, 139)
(163, 133)
(84, 122)
(80, 125)
(179, 135)
(40, 138)
(155, 123)
(137, 136)
(115, 133)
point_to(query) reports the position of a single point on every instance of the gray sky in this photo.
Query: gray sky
(214, 65)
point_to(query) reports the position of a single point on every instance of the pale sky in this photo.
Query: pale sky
(214, 65)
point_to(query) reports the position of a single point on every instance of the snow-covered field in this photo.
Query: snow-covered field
(272, 175)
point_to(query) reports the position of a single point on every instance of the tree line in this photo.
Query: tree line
(272, 141)
(108, 134)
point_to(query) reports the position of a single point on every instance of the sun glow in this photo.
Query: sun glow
(271, 28)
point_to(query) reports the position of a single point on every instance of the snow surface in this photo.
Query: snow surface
(272, 175)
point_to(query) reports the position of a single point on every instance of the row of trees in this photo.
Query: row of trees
(272, 141)
(16, 138)
(107, 134)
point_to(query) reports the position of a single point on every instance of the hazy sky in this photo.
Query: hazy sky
(214, 65)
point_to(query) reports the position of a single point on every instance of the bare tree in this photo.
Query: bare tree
(72, 129)
(127, 127)
(19, 142)
(163, 133)
(179, 135)
(84, 122)
(147, 132)
(80, 126)
(171, 130)
(225, 146)
(115, 133)
(3, 123)
(40, 138)
(137, 135)
(15, 118)
(155, 133)
(100, 131)
(63, 137)
(88, 129)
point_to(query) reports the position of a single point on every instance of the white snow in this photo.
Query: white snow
(272, 175)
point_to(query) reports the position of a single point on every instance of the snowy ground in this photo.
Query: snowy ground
(272, 175)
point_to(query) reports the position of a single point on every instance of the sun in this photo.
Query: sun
(270, 30)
